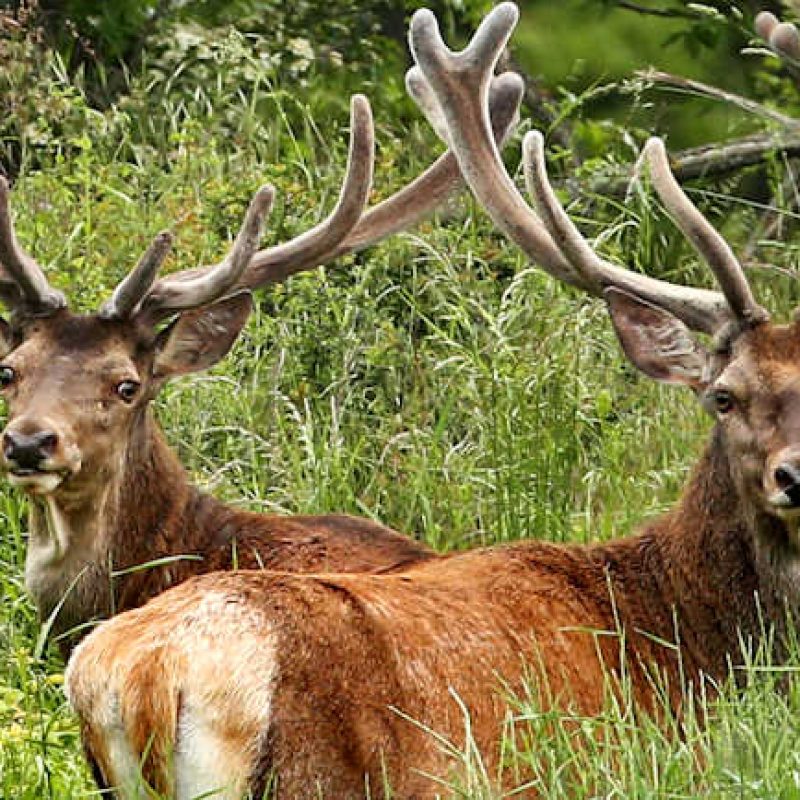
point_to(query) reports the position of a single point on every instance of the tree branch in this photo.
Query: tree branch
(671, 13)
(709, 161)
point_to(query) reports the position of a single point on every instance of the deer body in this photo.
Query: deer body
(148, 510)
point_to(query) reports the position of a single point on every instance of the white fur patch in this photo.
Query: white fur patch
(38, 483)
(48, 547)
(61, 549)
(126, 773)
(227, 696)
(201, 768)
(223, 656)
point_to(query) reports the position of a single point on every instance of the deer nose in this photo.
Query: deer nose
(787, 478)
(28, 451)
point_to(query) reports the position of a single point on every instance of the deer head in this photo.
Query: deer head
(77, 385)
(747, 376)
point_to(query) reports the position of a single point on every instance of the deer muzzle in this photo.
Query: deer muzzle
(782, 480)
(34, 457)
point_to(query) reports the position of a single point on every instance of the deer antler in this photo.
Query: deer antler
(24, 287)
(346, 229)
(190, 290)
(28, 291)
(782, 37)
(705, 239)
(137, 294)
(130, 291)
(456, 85)
(403, 209)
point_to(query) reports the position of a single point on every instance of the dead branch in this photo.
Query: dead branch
(710, 160)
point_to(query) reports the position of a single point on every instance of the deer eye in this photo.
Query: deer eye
(7, 376)
(723, 401)
(127, 390)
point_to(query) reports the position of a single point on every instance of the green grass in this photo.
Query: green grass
(438, 383)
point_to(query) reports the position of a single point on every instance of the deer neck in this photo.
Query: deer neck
(729, 565)
(131, 512)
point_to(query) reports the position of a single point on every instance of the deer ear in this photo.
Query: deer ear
(201, 337)
(658, 343)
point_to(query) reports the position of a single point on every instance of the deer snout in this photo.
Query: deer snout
(783, 479)
(29, 451)
(37, 456)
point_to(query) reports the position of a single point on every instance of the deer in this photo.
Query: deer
(335, 685)
(106, 492)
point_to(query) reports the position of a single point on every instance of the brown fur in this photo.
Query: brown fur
(347, 653)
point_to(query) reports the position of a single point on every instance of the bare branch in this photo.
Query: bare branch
(668, 13)
(706, 161)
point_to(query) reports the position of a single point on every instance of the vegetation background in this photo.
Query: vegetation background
(439, 382)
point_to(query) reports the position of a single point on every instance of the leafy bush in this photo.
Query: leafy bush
(41, 108)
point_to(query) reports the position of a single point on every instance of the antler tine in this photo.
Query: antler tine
(782, 37)
(705, 239)
(418, 199)
(461, 102)
(401, 210)
(486, 47)
(420, 91)
(193, 290)
(588, 265)
(701, 309)
(135, 286)
(38, 297)
(314, 246)
(555, 244)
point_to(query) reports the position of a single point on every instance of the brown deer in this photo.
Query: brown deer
(329, 685)
(107, 494)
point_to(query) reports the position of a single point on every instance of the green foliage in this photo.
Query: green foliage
(117, 34)
(105, 30)
(40, 108)
(722, 749)
(703, 25)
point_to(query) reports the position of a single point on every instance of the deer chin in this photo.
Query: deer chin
(785, 508)
(38, 482)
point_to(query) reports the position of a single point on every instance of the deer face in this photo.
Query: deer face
(72, 386)
(76, 387)
(756, 400)
(749, 381)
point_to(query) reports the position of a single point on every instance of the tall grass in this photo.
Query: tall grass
(438, 383)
